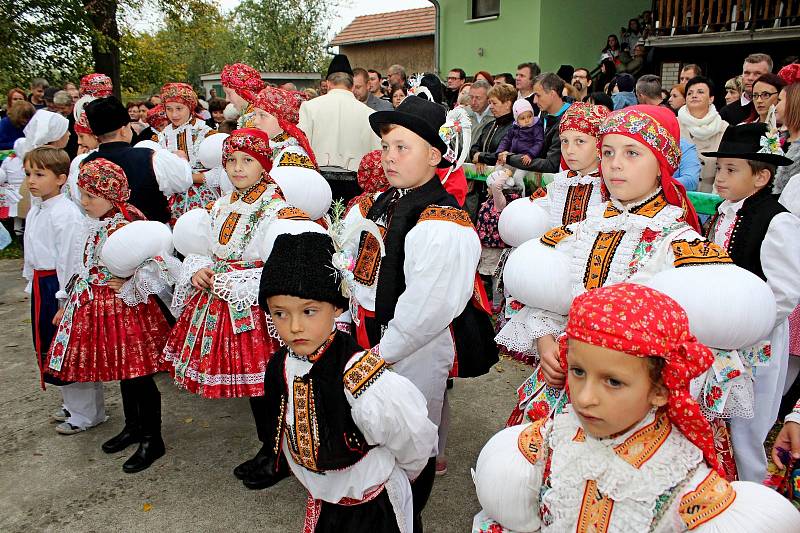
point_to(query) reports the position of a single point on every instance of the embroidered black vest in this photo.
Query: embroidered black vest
(750, 228)
(473, 333)
(325, 437)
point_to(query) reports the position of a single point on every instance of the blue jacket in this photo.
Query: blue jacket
(8, 134)
(523, 141)
(689, 170)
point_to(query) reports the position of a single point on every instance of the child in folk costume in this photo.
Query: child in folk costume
(112, 328)
(183, 136)
(96, 85)
(633, 452)
(571, 193)
(371, 433)
(157, 120)
(761, 236)
(414, 267)
(220, 345)
(647, 227)
(241, 84)
(51, 238)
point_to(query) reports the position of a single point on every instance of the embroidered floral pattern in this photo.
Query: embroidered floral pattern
(698, 252)
(181, 93)
(97, 85)
(638, 123)
(531, 443)
(292, 159)
(554, 236)
(364, 373)
(711, 498)
(447, 214)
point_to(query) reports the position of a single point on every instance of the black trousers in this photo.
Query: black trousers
(258, 406)
(374, 516)
(421, 490)
(141, 404)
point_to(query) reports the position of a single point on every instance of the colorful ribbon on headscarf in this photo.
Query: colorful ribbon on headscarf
(243, 79)
(657, 128)
(643, 322)
(371, 177)
(285, 107)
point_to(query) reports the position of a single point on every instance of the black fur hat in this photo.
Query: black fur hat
(300, 265)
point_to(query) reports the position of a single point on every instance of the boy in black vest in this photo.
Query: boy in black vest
(761, 236)
(350, 430)
(415, 296)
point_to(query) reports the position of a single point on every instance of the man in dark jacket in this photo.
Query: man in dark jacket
(755, 65)
(547, 90)
(152, 175)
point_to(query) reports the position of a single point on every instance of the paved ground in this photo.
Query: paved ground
(50, 482)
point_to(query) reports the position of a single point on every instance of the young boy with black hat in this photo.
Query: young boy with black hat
(762, 236)
(350, 430)
(415, 271)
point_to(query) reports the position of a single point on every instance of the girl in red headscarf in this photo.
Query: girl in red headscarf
(646, 227)
(634, 451)
(112, 327)
(241, 84)
(182, 136)
(221, 343)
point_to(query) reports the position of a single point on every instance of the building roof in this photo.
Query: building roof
(385, 26)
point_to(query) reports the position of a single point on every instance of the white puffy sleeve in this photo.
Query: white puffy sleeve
(508, 477)
(70, 188)
(794, 416)
(173, 174)
(390, 411)
(441, 258)
(790, 196)
(780, 260)
(756, 509)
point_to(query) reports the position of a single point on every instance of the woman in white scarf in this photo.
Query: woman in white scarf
(701, 124)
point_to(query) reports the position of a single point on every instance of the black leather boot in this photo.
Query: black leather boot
(267, 473)
(150, 448)
(132, 432)
(126, 437)
(244, 470)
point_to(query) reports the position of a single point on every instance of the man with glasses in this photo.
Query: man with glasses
(581, 81)
(456, 79)
(755, 65)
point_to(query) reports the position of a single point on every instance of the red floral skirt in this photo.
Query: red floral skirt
(207, 357)
(109, 340)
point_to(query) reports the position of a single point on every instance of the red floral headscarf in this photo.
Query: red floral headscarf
(657, 128)
(790, 73)
(157, 117)
(583, 117)
(251, 141)
(105, 179)
(97, 85)
(371, 177)
(82, 125)
(285, 107)
(243, 79)
(643, 322)
(181, 93)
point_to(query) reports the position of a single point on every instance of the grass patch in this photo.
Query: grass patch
(12, 251)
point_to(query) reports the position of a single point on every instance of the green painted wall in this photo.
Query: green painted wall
(551, 32)
(506, 41)
(574, 32)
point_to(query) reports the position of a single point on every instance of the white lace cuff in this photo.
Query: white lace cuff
(521, 331)
(238, 287)
(154, 276)
(727, 387)
(183, 280)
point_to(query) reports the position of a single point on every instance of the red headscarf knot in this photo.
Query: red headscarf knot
(643, 322)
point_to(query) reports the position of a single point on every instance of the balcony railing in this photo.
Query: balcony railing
(681, 17)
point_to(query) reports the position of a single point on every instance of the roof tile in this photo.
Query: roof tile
(384, 26)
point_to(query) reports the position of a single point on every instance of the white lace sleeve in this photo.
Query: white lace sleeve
(173, 174)
(521, 331)
(183, 280)
(238, 287)
(154, 276)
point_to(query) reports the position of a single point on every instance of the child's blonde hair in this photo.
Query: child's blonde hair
(49, 158)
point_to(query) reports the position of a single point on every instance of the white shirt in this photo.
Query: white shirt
(725, 222)
(53, 237)
(12, 174)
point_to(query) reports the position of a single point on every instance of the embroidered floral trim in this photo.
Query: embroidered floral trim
(598, 265)
(365, 204)
(578, 197)
(710, 499)
(595, 513)
(554, 236)
(643, 444)
(305, 446)
(292, 213)
(292, 159)
(698, 252)
(446, 214)
(531, 443)
(633, 121)
(364, 373)
(368, 261)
